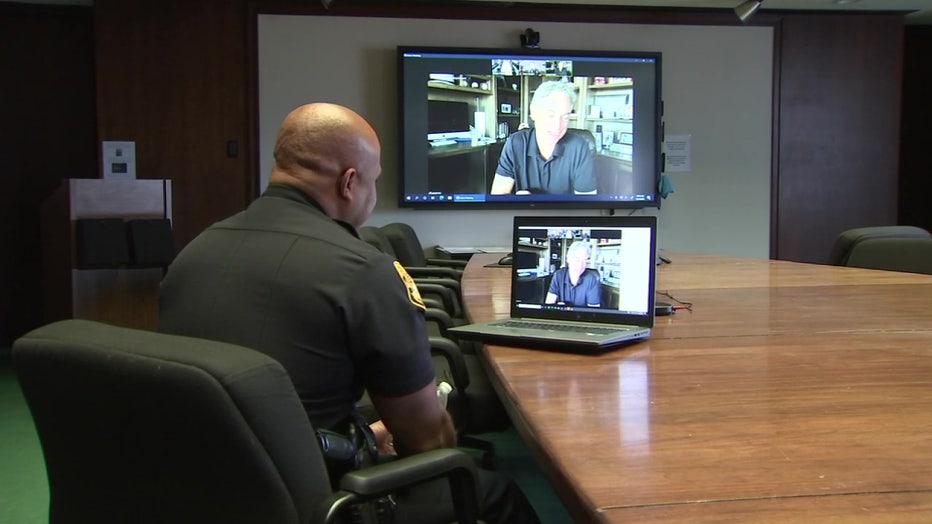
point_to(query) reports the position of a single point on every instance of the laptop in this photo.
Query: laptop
(590, 286)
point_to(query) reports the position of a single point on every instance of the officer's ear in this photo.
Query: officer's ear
(347, 183)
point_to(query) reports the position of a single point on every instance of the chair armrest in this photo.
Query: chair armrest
(447, 262)
(456, 466)
(438, 316)
(452, 353)
(384, 478)
(434, 303)
(436, 271)
(446, 295)
(451, 283)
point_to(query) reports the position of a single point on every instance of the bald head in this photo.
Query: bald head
(326, 150)
(322, 139)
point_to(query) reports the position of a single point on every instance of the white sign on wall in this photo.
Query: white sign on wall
(119, 159)
(678, 153)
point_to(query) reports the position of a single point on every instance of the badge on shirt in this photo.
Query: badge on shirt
(413, 294)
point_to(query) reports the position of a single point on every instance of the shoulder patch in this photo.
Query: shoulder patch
(413, 294)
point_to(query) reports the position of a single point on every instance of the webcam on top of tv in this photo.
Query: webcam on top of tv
(530, 38)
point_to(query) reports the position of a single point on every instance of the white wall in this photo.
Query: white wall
(717, 85)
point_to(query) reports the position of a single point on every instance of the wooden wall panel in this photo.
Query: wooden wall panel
(48, 134)
(171, 75)
(837, 146)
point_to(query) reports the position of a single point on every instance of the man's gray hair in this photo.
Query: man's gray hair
(546, 89)
(580, 247)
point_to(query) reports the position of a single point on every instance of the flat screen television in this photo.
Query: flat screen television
(520, 128)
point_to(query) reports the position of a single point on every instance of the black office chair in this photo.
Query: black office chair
(377, 239)
(410, 252)
(911, 255)
(139, 426)
(848, 239)
(477, 409)
(438, 284)
(606, 179)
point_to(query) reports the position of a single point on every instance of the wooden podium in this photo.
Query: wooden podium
(87, 265)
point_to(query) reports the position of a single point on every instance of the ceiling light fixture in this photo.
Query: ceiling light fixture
(745, 10)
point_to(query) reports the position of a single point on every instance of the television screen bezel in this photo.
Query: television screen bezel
(566, 201)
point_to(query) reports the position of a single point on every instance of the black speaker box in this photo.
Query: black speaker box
(101, 243)
(150, 241)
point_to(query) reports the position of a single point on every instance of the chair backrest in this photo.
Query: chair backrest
(847, 239)
(912, 255)
(138, 426)
(585, 134)
(375, 237)
(607, 178)
(405, 243)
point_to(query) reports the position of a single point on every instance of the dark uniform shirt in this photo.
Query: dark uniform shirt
(587, 290)
(285, 279)
(571, 167)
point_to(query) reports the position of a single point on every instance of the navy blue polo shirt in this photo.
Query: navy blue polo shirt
(570, 169)
(586, 291)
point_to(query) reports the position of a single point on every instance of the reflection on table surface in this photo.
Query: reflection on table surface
(787, 388)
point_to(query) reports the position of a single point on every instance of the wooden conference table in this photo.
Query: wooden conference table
(791, 392)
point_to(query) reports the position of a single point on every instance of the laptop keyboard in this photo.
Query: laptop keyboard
(565, 328)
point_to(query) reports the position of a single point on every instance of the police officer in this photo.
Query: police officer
(290, 277)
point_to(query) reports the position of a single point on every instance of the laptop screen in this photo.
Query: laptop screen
(597, 269)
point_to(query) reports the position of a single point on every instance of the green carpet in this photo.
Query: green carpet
(23, 482)
(25, 490)
(514, 458)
